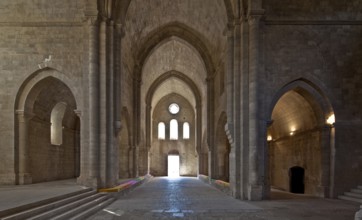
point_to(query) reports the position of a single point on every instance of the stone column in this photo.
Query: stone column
(136, 160)
(332, 161)
(235, 155)
(267, 155)
(230, 80)
(117, 95)
(210, 127)
(24, 173)
(118, 72)
(136, 118)
(255, 143)
(149, 125)
(93, 164)
(243, 99)
(112, 173)
(229, 106)
(323, 188)
(103, 112)
(78, 145)
(198, 137)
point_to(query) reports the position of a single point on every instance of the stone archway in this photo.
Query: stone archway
(163, 145)
(300, 137)
(43, 102)
(193, 103)
(199, 47)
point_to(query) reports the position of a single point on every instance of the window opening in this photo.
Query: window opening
(173, 129)
(161, 131)
(56, 120)
(173, 108)
(186, 130)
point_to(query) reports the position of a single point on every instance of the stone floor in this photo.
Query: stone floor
(190, 198)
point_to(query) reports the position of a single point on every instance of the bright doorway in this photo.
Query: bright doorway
(173, 162)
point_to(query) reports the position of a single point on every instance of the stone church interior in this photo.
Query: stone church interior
(260, 95)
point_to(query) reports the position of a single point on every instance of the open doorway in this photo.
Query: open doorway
(173, 162)
(297, 180)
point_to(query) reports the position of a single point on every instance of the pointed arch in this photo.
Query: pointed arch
(198, 106)
(36, 105)
(32, 80)
(311, 92)
(301, 110)
(175, 29)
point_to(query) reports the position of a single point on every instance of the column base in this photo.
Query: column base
(358, 215)
(255, 192)
(88, 181)
(323, 191)
(25, 178)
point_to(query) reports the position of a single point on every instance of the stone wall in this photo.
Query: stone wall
(41, 11)
(30, 31)
(326, 53)
(313, 10)
(146, 16)
(301, 150)
(185, 147)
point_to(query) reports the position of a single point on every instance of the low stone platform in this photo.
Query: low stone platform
(21, 195)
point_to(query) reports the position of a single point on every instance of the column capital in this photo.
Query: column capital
(230, 29)
(104, 19)
(255, 16)
(210, 79)
(78, 113)
(120, 29)
(92, 20)
(118, 126)
(21, 114)
(237, 21)
(110, 22)
(137, 81)
(254, 19)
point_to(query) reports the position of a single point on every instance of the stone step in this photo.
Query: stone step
(356, 190)
(355, 195)
(359, 187)
(36, 208)
(350, 199)
(83, 208)
(93, 210)
(65, 208)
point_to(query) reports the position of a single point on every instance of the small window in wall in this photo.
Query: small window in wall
(174, 108)
(56, 120)
(161, 131)
(186, 130)
(173, 129)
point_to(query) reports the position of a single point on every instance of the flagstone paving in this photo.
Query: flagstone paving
(190, 198)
